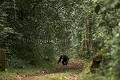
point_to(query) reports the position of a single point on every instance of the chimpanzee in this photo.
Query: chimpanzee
(64, 59)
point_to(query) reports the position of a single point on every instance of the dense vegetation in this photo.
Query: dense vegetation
(33, 30)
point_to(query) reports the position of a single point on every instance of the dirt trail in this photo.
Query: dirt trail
(73, 66)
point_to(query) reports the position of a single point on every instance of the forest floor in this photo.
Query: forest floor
(70, 72)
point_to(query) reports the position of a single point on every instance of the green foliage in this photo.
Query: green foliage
(115, 51)
(35, 30)
(112, 42)
(96, 77)
(107, 31)
(14, 62)
(2, 24)
(31, 30)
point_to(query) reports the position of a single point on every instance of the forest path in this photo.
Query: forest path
(70, 72)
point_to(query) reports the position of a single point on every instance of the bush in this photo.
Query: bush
(14, 62)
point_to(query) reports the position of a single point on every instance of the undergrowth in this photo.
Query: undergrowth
(12, 72)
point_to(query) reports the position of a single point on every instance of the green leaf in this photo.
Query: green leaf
(94, 1)
(119, 24)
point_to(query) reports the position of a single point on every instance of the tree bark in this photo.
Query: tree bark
(2, 59)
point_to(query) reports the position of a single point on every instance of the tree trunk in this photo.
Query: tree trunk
(2, 59)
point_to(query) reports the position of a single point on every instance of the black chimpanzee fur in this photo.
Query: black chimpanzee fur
(64, 59)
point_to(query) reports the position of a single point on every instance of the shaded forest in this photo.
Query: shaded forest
(34, 33)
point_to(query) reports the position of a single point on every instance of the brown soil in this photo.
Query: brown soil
(72, 65)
